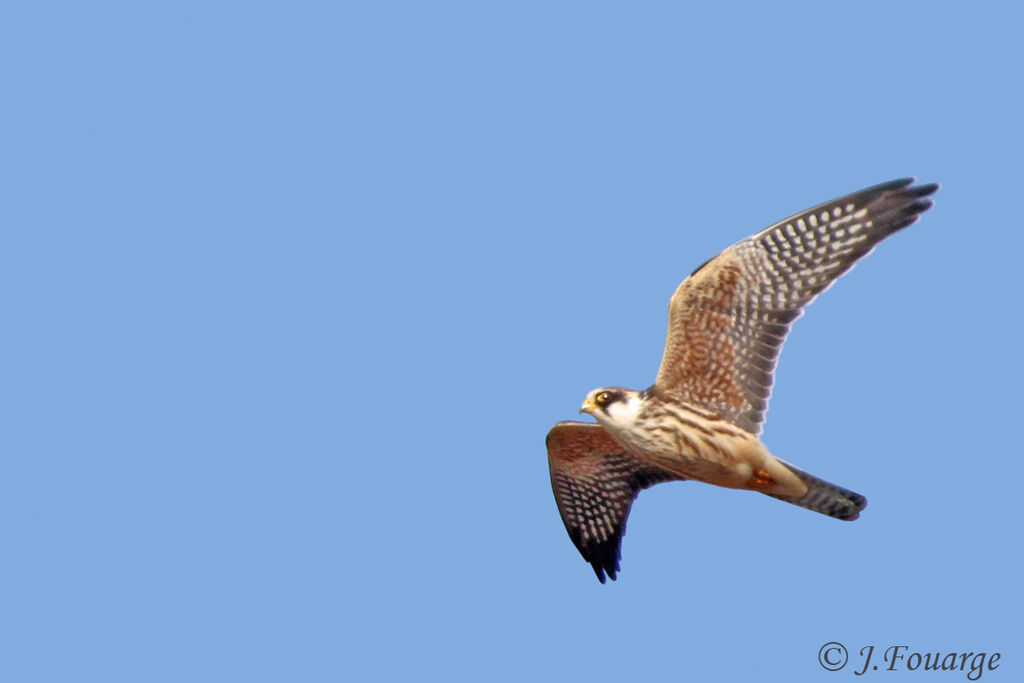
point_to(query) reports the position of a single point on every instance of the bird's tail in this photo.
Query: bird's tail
(826, 497)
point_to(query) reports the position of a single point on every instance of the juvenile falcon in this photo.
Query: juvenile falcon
(702, 417)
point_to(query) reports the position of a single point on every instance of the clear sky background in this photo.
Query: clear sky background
(292, 292)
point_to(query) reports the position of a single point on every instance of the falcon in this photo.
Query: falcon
(702, 417)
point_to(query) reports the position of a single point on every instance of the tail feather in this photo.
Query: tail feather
(826, 498)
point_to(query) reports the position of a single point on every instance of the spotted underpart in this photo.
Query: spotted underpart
(728, 320)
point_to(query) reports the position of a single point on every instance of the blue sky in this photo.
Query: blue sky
(293, 292)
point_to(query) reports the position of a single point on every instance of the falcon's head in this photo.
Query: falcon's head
(613, 406)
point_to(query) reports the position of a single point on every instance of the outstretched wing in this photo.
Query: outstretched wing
(728, 320)
(595, 482)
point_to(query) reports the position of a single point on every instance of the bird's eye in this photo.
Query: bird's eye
(604, 398)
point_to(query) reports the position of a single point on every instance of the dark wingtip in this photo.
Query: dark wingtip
(903, 208)
(911, 212)
(605, 567)
(895, 184)
(923, 190)
(904, 184)
(604, 561)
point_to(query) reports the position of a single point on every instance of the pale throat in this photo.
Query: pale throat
(622, 416)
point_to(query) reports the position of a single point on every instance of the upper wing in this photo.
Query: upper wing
(595, 482)
(728, 320)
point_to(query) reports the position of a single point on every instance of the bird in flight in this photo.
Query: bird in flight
(702, 417)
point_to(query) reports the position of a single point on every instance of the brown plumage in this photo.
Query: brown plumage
(702, 417)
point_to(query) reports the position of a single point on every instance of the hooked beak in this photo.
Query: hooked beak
(588, 407)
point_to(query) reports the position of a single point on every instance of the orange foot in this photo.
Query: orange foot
(760, 480)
